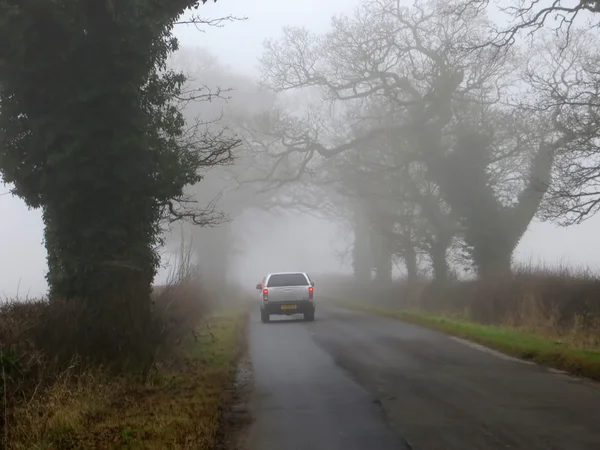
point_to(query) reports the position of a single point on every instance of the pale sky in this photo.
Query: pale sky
(307, 241)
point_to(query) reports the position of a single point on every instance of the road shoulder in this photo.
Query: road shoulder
(512, 343)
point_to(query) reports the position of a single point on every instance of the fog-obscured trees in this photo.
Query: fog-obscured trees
(564, 75)
(562, 39)
(527, 17)
(447, 113)
(233, 97)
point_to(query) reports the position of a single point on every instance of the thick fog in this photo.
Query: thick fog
(259, 241)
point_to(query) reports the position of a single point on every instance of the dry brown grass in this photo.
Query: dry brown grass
(182, 301)
(51, 400)
(41, 393)
(547, 315)
(558, 303)
(56, 412)
(180, 406)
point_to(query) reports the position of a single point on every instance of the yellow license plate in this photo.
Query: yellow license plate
(289, 307)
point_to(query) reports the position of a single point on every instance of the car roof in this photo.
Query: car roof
(285, 273)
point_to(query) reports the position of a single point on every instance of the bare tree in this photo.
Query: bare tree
(227, 96)
(566, 79)
(563, 77)
(526, 17)
(443, 89)
(367, 190)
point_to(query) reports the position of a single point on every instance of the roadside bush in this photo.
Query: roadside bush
(558, 303)
(179, 305)
(52, 373)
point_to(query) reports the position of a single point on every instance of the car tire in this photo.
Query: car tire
(265, 317)
(309, 316)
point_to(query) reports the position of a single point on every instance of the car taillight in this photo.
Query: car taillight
(310, 292)
(265, 295)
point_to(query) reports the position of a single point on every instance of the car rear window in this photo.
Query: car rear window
(287, 279)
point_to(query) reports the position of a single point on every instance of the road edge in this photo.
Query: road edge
(238, 416)
(557, 365)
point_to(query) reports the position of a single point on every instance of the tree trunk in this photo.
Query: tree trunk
(492, 254)
(491, 229)
(107, 266)
(383, 268)
(101, 226)
(438, 253)
(362, 259)
(410, 260)
(383, 259)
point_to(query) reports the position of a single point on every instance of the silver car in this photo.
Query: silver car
(287, 293)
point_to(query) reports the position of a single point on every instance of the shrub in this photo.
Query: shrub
(560, 303)
(44, 376)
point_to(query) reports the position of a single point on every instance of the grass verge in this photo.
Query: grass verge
(181, 406)
(516, 343)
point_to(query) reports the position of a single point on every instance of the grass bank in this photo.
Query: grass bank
(528, 346)
(181, 405)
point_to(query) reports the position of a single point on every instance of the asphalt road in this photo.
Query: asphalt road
(353, 381)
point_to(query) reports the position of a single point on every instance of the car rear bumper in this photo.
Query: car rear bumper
(288, 308)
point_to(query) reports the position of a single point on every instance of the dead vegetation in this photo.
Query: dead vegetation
(50, 397)
(559, 304)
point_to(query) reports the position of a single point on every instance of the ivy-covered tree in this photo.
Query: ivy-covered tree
(91, 133)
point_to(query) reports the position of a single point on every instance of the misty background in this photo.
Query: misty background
(262, 242)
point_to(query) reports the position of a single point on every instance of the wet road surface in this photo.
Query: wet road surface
(354, 381)
(303, 401)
